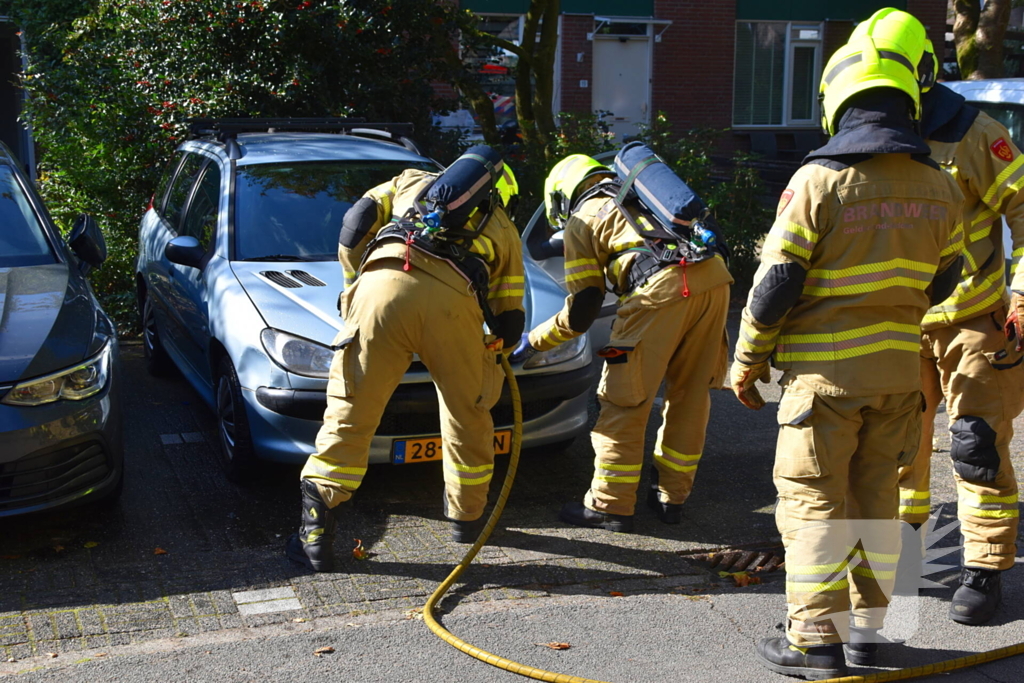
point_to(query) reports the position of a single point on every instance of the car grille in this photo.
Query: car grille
(429, 422)
(40, 478)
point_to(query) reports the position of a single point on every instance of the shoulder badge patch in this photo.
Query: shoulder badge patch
(1002, 150)
(784, 201)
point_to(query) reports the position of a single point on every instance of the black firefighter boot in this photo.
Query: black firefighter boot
(313, 545)
(813, 663)
(464, 532)
(862, 649)
(580, 515)
(669, 513)
(977, 598)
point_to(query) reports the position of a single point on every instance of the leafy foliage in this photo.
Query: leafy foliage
(111, 90)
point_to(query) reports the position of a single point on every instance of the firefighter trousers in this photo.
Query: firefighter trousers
(390, 315)
(683, 343)
(980, 375)
(836, 471)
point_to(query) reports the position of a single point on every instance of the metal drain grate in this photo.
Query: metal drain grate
(746, 559)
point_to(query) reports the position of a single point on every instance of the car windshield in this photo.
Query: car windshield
(22, 242)
(1010, 115)
(294, 210)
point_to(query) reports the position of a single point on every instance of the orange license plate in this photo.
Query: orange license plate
(406, 451)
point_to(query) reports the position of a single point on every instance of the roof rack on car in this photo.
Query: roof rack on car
(227, 130)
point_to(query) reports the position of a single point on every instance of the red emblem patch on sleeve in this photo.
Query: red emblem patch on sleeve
(784, 201)
(1002, 150)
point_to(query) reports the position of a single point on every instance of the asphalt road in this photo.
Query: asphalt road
(92, 582)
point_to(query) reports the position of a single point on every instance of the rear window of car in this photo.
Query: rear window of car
(295, 210)
(1010, 115)
(22, 240)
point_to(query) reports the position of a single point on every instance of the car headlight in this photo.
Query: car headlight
(74, 384)
(559, 354)
(298, 355)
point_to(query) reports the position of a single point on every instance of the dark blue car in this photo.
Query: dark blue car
(60, 415)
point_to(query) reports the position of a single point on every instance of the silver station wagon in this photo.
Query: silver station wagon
(238, 283)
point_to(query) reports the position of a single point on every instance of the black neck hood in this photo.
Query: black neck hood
(875, 122)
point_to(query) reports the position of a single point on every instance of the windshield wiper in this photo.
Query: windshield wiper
(279, 257)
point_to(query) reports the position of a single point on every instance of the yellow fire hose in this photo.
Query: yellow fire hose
(552, 677)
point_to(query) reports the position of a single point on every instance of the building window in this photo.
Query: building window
(777, 68)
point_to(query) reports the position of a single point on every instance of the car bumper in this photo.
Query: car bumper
(60, 454)
(284, 422)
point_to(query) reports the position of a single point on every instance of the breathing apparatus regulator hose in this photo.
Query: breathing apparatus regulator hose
(552, 677)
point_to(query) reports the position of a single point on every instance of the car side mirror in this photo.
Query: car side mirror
(86, 240)
(185, 251)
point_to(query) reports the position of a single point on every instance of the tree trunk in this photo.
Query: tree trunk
(978, 34)
(543, 68)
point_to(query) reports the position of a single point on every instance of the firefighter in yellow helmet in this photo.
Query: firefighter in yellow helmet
(965, 356)
(659, 334)
(866, 238)
(427, 259)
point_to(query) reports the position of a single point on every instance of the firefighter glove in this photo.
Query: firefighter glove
(1015, 319)
(524, 351)
(742, 378)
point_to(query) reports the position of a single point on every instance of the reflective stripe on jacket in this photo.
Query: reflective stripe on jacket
(990, 171)
(870, 238)
(595, 237)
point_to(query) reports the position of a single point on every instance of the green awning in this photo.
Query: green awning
(607, 8)
(812, 10)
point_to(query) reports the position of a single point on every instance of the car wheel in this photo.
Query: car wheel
(237, 458)
(158, 363)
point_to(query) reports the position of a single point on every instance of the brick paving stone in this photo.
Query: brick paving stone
(20, 651)
(187, 627)
(223, 603)
(231, 621)
(97, 642)
(154, 634)
(180, 606)
(204, 604)
(208, 624)
(60, 646)
(66, 625)
(139, 617)
(40, 626)
(91, 622)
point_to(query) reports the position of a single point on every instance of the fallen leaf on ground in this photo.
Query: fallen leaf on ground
(359, 552)
(415, 613)
(321, 651)
(51, 655)
(100, 654)
(742, 579)
(555, 645)
(299, 620)
(58, 548)
(616, 594)
(91, 544)
(353, 625)
(159, 551)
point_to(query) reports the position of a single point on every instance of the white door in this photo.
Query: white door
(622, 81)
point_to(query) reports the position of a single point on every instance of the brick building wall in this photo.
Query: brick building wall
(693, 63)
(931, 13)
(575, 28)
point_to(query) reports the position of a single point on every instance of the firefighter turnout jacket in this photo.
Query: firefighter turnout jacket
(848, 269)
(599, 243)
(977, 150)
(498, 245)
